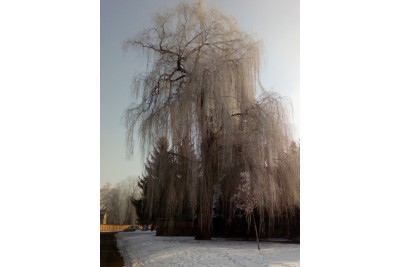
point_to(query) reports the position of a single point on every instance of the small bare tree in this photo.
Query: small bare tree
(129, 189)
(246, 199)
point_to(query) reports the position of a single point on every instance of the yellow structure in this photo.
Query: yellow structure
(112, 228)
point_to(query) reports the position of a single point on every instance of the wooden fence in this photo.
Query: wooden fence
(112, 228)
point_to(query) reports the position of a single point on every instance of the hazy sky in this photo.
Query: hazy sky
(275, 22)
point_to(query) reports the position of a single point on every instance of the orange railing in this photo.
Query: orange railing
(112, 228)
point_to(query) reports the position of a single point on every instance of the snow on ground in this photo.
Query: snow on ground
(146, 249)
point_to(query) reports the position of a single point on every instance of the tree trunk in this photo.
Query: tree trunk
(209, 161)
(255, 228)
(204, 223)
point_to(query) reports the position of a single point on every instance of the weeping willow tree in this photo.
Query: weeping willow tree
(202, 88)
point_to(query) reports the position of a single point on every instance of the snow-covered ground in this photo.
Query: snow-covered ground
(146, 249)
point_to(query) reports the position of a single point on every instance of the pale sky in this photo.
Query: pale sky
(275, 22)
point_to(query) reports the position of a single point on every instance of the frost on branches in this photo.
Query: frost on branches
(246, 200)
(245, 197)
(201, 87)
